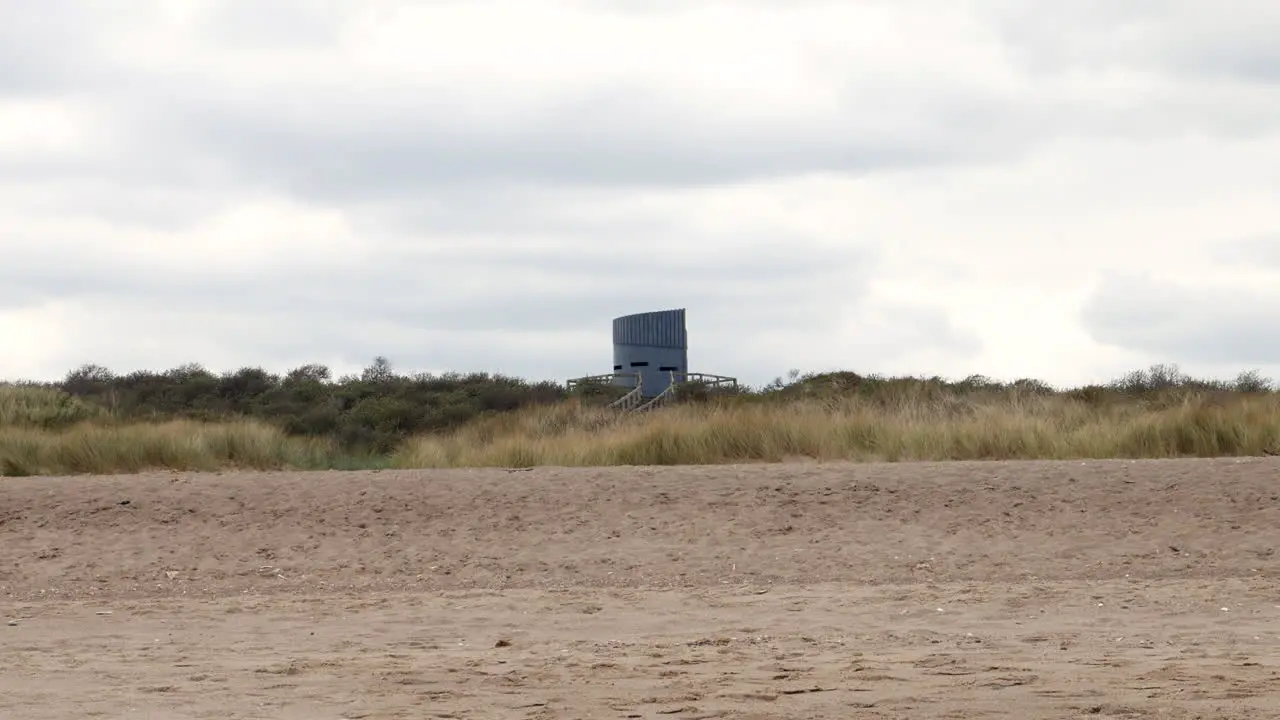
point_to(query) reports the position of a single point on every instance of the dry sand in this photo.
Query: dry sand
(960, 590)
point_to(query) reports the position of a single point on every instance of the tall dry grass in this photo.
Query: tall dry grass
(34, 406)
(999, 426)
(50, 434)
(176, 445)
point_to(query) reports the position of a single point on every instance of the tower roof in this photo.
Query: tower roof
(661, 328)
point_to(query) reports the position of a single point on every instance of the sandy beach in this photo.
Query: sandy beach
(1101, 589)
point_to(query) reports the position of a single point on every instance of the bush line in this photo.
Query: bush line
(190, 419)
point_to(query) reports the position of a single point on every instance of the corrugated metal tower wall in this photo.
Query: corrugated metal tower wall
(652, 344)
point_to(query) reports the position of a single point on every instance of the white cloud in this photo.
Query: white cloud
(921, 187)
(44, 128)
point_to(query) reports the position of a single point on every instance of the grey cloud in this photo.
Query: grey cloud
(1055, 38)
(1254, 60)
(513, 290)
(1235, 38)
(353, 145)
(389, 143)
(358, 144)
(1255, 251)
(1185, 325)
(54, 50)
(63, 46)
(381, 140)
(278, 24)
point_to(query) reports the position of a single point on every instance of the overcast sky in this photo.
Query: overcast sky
(1019, 188)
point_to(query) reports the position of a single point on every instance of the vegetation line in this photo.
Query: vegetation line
(189, 419)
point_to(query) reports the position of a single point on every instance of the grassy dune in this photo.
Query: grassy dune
(33, 406)
(48, 432)
(44, 431)
(177, 445)
(988, 428)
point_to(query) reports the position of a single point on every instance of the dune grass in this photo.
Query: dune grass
(25, 405)
(999, 427)
(49, 432)
(45, 432)
(176, 445)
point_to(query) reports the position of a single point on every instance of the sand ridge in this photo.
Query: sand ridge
(1020, 590)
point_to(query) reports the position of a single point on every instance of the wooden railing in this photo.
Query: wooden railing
(707, 379)
(606, 378)
(634, 400)
(631, 401)
(660, 399)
